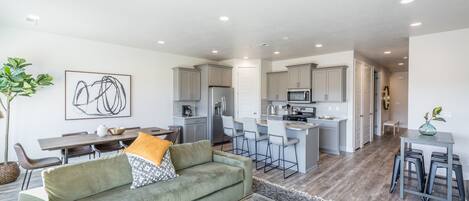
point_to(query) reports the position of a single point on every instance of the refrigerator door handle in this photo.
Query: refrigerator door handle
(223, 105)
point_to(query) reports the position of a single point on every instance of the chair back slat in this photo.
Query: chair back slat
(277, 131)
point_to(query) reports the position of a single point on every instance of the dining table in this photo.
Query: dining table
(67, 142)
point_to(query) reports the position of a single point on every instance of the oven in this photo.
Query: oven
(299, 95)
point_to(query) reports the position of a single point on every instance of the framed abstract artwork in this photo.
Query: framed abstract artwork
(93, 95)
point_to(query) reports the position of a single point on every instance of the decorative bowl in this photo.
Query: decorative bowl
(116, 131)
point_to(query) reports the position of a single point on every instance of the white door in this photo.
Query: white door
(248, 92)
(358, 103)
(366, 92)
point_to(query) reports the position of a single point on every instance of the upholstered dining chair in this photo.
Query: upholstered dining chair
(107, 147)
(126, 143)
(78, 151)
(32, 164)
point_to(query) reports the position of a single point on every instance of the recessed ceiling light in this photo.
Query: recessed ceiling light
(406, 1)
(276, 52)
(318, 45)
(33, 18)
(405, 57)
(264, 45)
(245, 57)
(285, 38)
(416, 24)
(161, 42)
(214, 51)
(224, 18)
(400, 64)
(387, 52)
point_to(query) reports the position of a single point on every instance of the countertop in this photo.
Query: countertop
(292, 125)
(336, 119)
(191, 117)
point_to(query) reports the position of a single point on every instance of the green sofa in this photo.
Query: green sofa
(203, 174)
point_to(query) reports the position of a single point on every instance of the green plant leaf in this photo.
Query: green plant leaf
(439, 119)
(436, 111)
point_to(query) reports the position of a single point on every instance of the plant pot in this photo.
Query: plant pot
(427, 129)
(9, 173)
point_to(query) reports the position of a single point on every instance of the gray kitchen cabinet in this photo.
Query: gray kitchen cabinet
(186, 84)
(277, 86)
(331, 134)
(220, 76)
(299, 76)
(193, 128)
(329, 84)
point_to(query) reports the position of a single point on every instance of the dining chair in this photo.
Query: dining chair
(174, 136)
(277, 132)
(251, 133)
(126, 143)
(78, 151)
(32, 164)
(230, 130)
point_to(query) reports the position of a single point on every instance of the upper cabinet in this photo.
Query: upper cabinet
(186, 83)
(219, 76)
(299, 76)
(277, 86)
(329, 84)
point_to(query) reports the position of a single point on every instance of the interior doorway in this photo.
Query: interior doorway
(364, 103)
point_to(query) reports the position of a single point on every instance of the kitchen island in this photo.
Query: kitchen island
(307, 147)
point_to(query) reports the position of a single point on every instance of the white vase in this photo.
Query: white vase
(101, 131)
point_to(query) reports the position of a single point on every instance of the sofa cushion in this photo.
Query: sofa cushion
(75, 181)
(149, 147)
(191, 154)
(192, 183)
(146, 172)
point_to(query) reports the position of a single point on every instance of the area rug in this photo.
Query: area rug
(264, 190)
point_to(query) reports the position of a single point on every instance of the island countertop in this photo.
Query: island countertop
(291, 125)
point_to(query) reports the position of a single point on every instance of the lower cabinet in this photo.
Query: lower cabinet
(193, 128)
(331, 135)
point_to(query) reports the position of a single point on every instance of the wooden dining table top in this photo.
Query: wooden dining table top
(56, 143)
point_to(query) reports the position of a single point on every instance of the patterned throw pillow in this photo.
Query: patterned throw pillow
(146, 172)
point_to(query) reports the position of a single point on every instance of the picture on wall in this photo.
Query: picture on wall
(92, 95)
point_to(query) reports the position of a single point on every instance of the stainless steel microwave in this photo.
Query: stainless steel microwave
(299, 95)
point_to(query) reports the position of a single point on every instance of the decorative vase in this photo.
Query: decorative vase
(9, 172)
(427, 129)
(101, 131)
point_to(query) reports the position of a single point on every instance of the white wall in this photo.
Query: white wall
(42, 115)
(439, 75)
(336, 109)
(398, 88)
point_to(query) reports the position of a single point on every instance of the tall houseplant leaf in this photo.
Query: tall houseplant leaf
(14, 81)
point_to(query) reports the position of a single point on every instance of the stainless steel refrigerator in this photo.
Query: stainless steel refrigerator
(220, 102)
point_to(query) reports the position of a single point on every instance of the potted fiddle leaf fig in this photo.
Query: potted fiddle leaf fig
(14, 82)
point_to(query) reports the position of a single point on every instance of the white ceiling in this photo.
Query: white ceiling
(191, 27)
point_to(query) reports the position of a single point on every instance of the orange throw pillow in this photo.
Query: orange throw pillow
(149, 147)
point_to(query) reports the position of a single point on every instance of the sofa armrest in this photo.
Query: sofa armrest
(34, 194)
(237, 161)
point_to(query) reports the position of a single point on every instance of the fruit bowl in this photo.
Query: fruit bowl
(116, 131)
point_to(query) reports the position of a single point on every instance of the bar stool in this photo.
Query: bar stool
(412, 157)
(442, 163)
(230, 130)
(251, 132)
(32, 164)
(277, 133)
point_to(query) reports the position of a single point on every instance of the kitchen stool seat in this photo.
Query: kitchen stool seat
(251, 133)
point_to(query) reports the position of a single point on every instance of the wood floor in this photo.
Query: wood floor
(363, 175)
